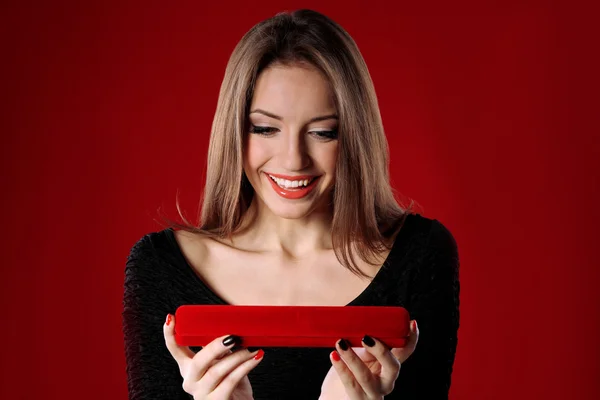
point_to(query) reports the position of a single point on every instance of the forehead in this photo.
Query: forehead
(294, 91)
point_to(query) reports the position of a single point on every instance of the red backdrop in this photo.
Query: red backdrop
(107, 109)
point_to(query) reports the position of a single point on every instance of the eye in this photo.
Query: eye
(326, 135)
(262, 130)
(269, 131)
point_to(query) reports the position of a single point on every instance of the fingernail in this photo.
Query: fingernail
(414, 325)
(169, 318)
(231, 339)
(343, 344)
(259, 355)
(335, 356)
(368, 340)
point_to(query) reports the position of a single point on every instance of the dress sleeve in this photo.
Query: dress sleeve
(152, 373)
(434, 303)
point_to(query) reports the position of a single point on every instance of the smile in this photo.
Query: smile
(294, 188)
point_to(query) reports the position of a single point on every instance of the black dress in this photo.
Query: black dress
(421, 273)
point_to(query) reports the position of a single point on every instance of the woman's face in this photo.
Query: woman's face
(292, 139)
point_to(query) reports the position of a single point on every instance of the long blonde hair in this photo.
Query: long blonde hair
(365, 212)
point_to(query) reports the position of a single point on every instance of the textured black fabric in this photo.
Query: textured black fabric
(421, 274)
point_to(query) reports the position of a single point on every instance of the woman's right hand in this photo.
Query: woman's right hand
(215, 372)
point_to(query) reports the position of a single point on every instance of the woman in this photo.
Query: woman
(297, 210)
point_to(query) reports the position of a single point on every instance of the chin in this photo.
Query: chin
(295, 211)
(290, 212)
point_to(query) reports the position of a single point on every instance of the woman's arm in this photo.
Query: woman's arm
(152, 374)
(434, 303)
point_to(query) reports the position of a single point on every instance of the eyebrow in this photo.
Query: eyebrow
(315, 119)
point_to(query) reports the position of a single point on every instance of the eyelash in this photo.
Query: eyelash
(267, 131)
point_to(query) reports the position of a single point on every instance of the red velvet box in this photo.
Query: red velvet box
(291, 326)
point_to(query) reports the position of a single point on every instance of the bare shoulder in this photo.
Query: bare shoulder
(195, 247)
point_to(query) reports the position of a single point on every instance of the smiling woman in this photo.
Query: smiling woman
(297, 210)
(294, 143)
(284, 79)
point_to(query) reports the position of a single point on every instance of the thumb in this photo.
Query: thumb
(179, 353)
(402, 353)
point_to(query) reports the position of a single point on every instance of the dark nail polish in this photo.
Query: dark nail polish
(229, 340)
(368, 340)
(343, 344)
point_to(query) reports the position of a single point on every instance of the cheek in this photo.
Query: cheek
(256, 154)
(327, 156)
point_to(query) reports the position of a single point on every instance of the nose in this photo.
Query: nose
(294, 152)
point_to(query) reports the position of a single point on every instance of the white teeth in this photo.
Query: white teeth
(284, 183)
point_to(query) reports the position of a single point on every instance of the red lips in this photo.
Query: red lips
(292, 178)
(295, 193)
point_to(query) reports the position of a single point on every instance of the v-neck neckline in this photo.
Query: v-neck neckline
(360, 299)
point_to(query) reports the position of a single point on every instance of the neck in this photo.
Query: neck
(291, 238)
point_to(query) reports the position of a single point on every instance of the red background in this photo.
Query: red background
(106, 112)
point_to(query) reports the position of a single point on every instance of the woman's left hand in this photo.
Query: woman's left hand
(367, 373)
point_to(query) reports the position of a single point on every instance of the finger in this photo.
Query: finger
(210, 355)
(220, 358)
(402, 353)
(362, 374)
(390, 366)
(222, 368)
(225, 389)
(353, 389)
(181, 354)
